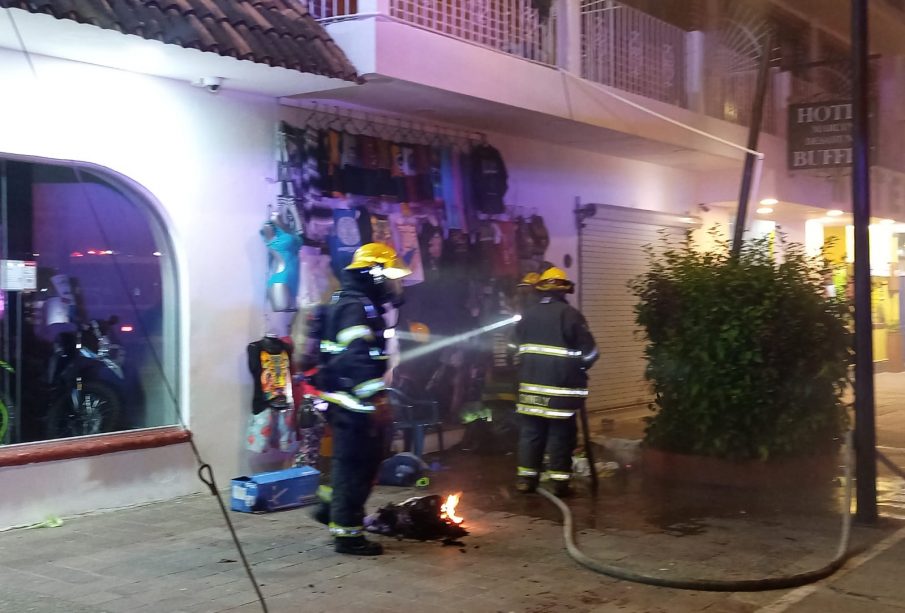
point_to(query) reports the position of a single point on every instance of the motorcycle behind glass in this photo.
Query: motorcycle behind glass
(88, 381)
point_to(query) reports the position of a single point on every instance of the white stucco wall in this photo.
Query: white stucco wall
(548, 178)
(60, 489)
(203, 159)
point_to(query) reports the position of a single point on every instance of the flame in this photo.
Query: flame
(448, 509)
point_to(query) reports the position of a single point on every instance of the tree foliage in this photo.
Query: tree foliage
(748, 357)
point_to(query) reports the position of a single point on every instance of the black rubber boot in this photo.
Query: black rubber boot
(526, 485)
(357, 546)
(561, 489)
(321, 513)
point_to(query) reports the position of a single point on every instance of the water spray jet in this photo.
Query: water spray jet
(452, 340)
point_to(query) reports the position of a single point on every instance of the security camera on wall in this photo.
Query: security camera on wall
(211, 84)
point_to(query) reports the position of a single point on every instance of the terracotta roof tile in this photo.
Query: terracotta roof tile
(272, 32)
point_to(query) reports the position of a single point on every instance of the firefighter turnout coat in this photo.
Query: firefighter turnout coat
(555, 349)
(353, 352)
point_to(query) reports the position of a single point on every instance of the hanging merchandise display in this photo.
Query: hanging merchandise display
(431, 240)
(489, 179)
(381, 230)
(434, 194)
(405, 235)
(505, 263)
(452, 189)
(283, 254)
(300, 163)
(316, 276)
(272, 422)
(345, 239)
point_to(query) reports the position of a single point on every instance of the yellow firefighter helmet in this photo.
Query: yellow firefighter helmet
(554, 280)
(373, 255)
(529, 280)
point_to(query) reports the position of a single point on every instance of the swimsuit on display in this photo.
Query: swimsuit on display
(284, 260)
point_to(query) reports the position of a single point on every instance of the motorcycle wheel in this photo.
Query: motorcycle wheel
(98, 412)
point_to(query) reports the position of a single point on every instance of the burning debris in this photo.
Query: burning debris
(424, 518)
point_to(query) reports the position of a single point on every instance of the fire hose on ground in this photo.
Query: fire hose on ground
(718, 585)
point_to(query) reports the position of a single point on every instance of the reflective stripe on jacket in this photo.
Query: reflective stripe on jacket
(556, 349)
(353, 357)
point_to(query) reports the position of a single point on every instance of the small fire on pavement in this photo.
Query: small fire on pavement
(448, 509)
(423, 518)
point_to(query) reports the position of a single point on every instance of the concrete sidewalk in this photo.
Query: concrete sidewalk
(177, 556)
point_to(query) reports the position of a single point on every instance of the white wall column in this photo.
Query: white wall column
(694, 71)
(568, 35)
(368, 7)
(782, 91)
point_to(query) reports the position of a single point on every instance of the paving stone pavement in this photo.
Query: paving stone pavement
(178, 557)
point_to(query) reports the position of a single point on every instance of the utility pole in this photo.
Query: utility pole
(757, 112)
(865, 428)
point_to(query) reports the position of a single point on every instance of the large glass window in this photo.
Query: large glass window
(91, 342)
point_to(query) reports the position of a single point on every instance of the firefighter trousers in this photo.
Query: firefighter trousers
(534, 435)
(358, 448)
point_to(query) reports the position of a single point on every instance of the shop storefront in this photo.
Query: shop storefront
(90, 329)
(887, 256)
(131, 189)
(438, 195)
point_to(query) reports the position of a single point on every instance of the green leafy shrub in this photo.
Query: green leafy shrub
(747, 356)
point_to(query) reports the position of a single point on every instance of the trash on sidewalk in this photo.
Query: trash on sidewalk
(581, 467)
(625, 451)
(52, 521)
(403, 470)
(275, 491)
(424, 518)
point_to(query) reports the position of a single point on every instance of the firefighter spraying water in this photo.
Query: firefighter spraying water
(353, 362)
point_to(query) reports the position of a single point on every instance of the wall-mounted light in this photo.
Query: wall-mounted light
(834, 213)
(887, 222)
(769, 201)
(764, 210)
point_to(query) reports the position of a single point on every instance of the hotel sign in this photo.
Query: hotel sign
(820, 135)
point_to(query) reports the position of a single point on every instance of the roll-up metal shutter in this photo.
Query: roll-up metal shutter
(612, 254)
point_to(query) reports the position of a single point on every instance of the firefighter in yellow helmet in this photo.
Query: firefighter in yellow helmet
(556, 349)
(353, 362)
(525, 292)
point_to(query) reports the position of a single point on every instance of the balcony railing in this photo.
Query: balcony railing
(730, 83)
(515, 27)
(632, 51)
(608, 43)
